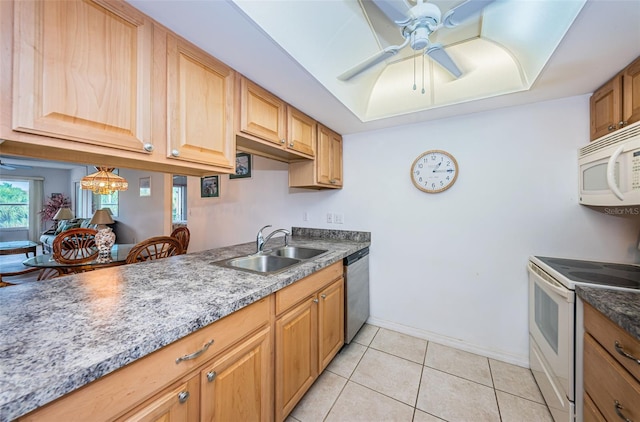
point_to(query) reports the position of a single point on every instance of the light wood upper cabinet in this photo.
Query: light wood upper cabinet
(301, 132)
(82, 72)
(616, 104)
(270, 127)
(262, 114)
(325, 172)
(200, 101)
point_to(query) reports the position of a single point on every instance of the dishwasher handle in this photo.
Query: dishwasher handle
(354, 257)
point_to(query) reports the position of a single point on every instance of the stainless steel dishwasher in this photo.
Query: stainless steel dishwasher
(356, 298)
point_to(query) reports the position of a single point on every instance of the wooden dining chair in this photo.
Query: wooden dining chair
(183, 235)
(75, 246)
(154, 248)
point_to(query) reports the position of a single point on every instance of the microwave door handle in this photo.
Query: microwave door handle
(611, 168)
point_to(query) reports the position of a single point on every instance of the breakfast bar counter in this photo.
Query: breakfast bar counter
(60, 335)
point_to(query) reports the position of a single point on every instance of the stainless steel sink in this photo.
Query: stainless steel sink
(297, 252)
(261, 263)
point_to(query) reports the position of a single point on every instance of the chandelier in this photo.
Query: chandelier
(104, 181)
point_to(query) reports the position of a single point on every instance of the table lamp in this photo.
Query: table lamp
(101, 218)
(62, 214)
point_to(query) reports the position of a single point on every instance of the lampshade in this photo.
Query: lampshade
(104, 181)
(63, 214)
(101, 217)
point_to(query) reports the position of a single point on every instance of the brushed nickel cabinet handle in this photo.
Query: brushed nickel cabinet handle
(611, 127)
(175, 152)
(621, 352)
(148, 147)
(183, 396)
(618, 408)
(333, 181)
(323, 296)
(195, 354)
(282, 141)
(315, 300)
(622, 123)
(211, 375)
(291, 144)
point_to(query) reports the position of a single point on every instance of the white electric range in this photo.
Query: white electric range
(556, 325)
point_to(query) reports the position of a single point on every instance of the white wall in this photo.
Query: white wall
(450, 267)
(142, 217)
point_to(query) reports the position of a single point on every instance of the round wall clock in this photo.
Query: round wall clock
(434, 171)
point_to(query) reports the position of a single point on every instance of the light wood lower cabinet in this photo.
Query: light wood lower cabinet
(309, 332)
(611, 370)
(238, 386)
(175, 404)
(226, 370)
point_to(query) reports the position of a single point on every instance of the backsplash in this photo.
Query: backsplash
(331, 234)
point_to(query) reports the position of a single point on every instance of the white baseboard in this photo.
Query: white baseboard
(520, 360)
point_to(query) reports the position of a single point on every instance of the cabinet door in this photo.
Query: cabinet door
(200, 106)
(296, 354)
(631, 93)
(262, 114)
(606, 108)
(175, 404)
(82, 72)
(330, 322)
(238, 385)
(329, 158)
(301, 132)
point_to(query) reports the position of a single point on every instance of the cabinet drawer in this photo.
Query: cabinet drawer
(608, 334)
(301, 289)
(591, 412)
(608, 383)
(115, 393)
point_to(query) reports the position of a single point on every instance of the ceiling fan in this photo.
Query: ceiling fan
(416, 24)
(12, 166)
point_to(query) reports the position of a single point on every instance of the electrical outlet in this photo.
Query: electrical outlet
(329, 217)
(338, 218)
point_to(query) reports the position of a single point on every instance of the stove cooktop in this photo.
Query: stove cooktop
(593, 272)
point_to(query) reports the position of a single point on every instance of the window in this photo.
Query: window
(179, 199)
(105, 201)
(14, 204)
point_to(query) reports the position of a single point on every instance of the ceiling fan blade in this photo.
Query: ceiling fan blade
(464, 11)
(440, 56)
(396, 10)
(380, 56)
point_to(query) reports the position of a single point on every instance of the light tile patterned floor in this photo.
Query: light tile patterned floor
(388, 376)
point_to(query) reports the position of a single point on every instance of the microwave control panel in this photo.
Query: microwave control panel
(635, 171)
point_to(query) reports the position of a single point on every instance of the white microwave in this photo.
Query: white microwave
(610, 169)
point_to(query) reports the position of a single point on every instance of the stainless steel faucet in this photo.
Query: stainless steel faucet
(261, 240)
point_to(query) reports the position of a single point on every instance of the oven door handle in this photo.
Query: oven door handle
(548, 282)
(611, 173)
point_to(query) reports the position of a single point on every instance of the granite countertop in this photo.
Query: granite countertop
(62, 334)
(621, 307)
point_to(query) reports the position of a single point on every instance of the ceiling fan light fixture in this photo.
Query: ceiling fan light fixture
(104, 181)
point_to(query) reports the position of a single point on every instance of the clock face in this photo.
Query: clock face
(434, 171)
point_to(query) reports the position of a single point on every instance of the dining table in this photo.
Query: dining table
(118, 256)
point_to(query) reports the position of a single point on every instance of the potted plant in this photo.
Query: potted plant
(52, 205)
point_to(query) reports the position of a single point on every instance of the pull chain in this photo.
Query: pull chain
(414, 72)
(423, 72)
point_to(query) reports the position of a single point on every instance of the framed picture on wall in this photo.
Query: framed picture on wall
(210, 187)
(145, 186)
(243, 166)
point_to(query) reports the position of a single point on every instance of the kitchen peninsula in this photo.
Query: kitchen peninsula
(61, 335)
